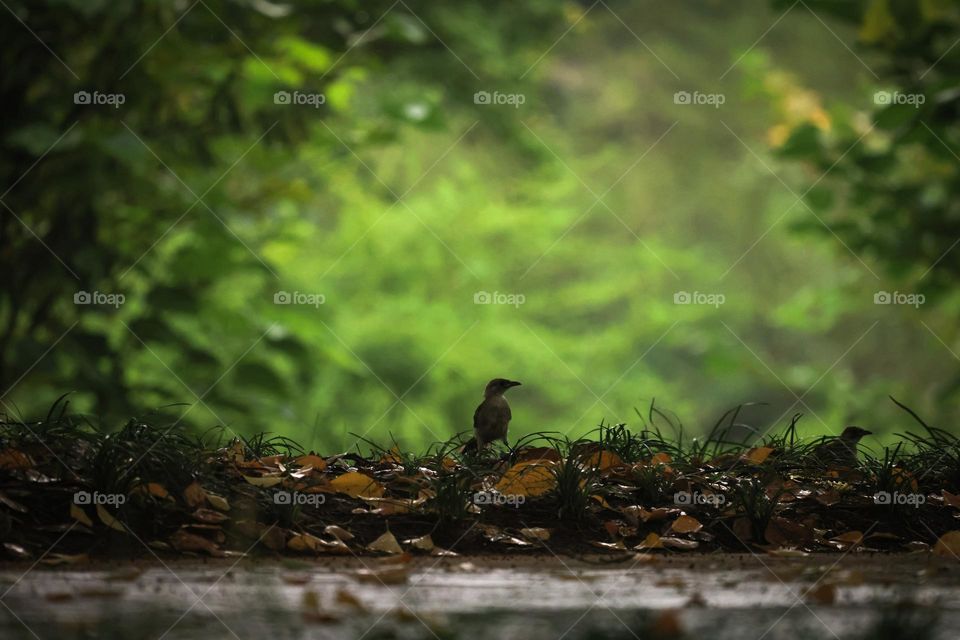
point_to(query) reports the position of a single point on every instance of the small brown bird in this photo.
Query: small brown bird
(492, 417)
(841, 450)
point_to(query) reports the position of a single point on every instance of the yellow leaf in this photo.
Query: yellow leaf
(357, 485)
(386, 543)
(686, 524)
(311, 460)
(948, 546)
(652, 541)
(109, 520)
(758, 454)
(392, 456)
(218, 502)
(527, 479)
(604, 460)
(338, 532)
(80, 515)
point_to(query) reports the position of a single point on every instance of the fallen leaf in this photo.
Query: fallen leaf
(787, 553)
(13, 459)
(783, 532)
(603, 461)
(194, 495)
(847, 540)
(386, 543)
(661, 458)
(951, 499)
(183, 540)
(423, 543)
(757, 455)
(652, 541)
(829, 497)
(528, 479)
(686, 524)
(437, 551)
(263, 481)
(218, 502)
(357, 485)
(311, 460)
(80, 515)
(157, 490)
(948, 546)
(339, 533)
(304, 542)
(535, 533)
(678, 543)
(311, 611)
(209, 516)
(108, 519)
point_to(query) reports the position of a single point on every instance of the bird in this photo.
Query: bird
(492, 417)
(841, 450)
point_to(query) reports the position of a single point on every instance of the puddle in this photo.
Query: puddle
(728, 596)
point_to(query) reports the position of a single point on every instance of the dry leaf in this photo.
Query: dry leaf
(528, 479)
(424, 543)
(12, 459)
(686, 524)
(652, 541)
(263, 481)
(194, 495)
(848, 539)
(183, 540)
(304, 542)
(339, 533)
(80, 515)
(394, 574)
(951, 499)
(218, 502)
(678, 543)
(347, 599)
(757, 455)
(535, 533)
(16, 551)
(209, 516)
(356, 484)
(603, 461)
(311, 460)
(948, 546)
(386, 543)
(310, 608)
(108, 519)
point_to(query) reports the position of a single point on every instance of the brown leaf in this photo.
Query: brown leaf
(678, 543)
(356, 484)
(218, 502)
(339, 533)
(757, 455)
(787, 533)
(951, 499)
(78, 514)
(423, 543)
(948, 546)
(652, 541)
(394, 574)
(822, 594)
(311, 460)
(183, 540)
(209, 516)
(54, 559)
(686, 524)
(194, 495)
(107, 518)
(848, 539)
(386, 543)
(347, 599)
(528, 479)
(13, 459)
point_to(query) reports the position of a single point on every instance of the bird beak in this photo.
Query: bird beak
(514, 383)
(867, 433)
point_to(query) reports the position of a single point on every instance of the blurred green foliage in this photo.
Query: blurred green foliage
(401, 200)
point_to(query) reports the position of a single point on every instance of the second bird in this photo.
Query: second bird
(492, 417)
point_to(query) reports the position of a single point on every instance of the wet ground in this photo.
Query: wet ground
(716, 596)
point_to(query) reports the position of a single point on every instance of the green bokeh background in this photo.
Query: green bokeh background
(398, 200)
